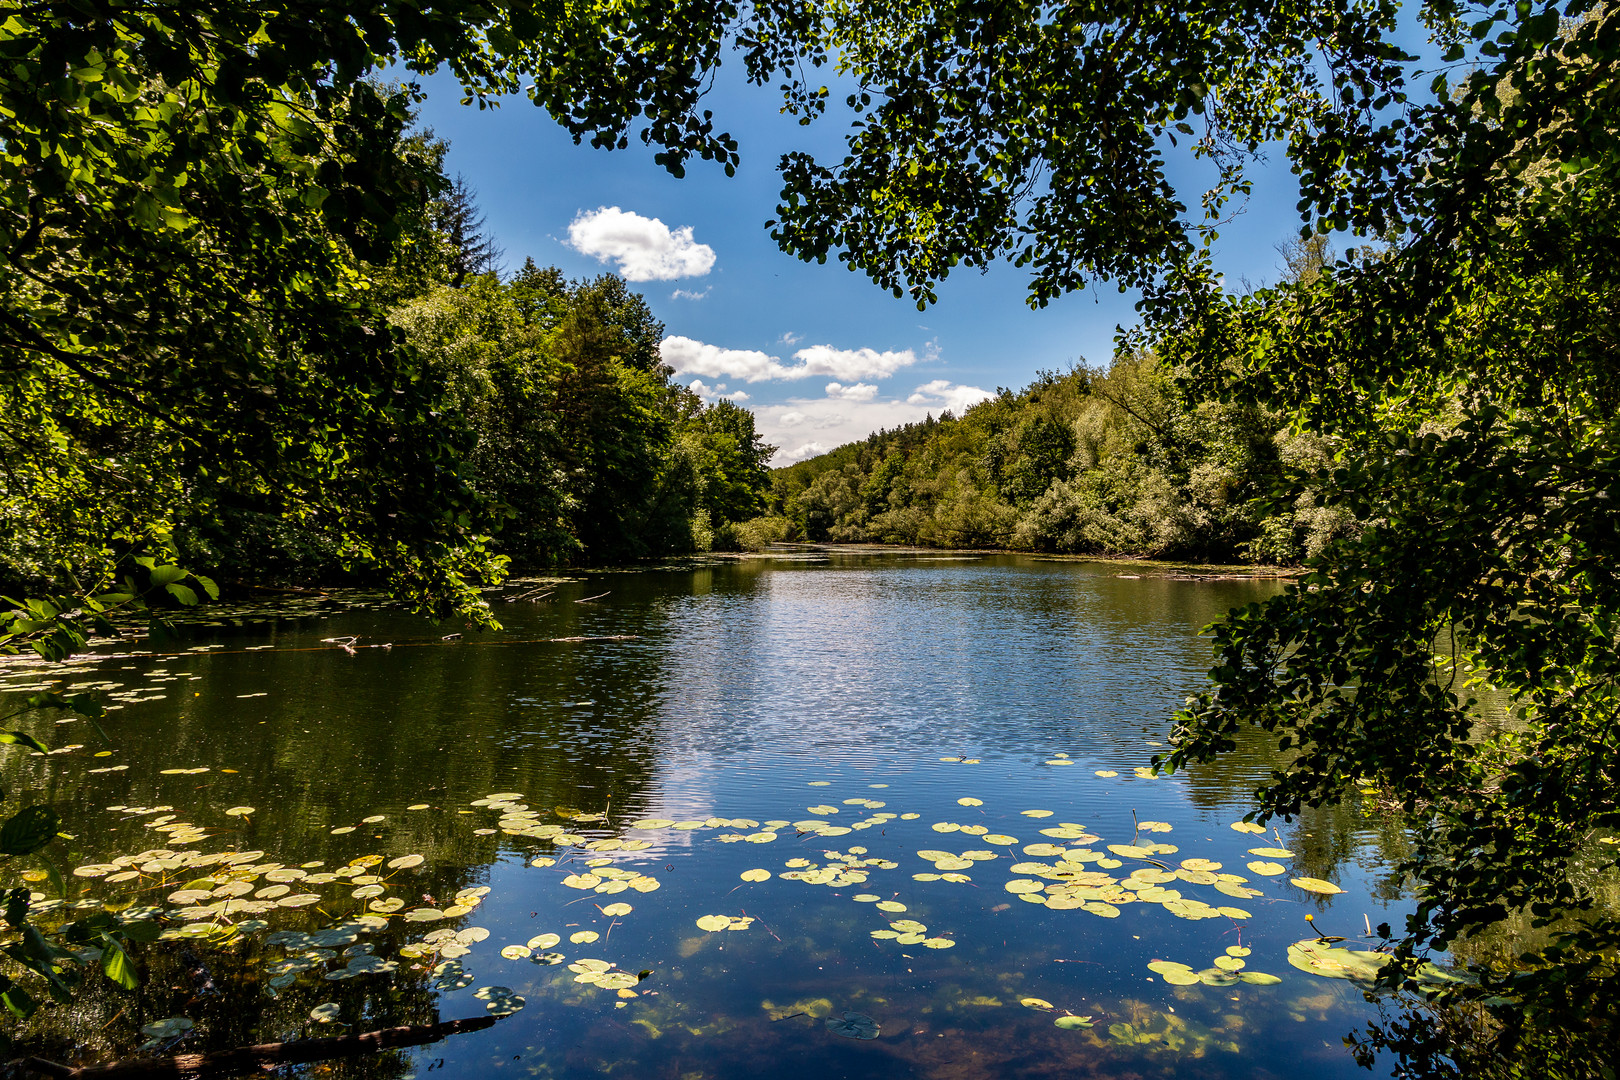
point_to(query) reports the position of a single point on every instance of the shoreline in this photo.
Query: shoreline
(1173, 569)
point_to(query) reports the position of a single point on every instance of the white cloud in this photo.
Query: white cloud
(645, 248)
(851, 363)
(690, 357)
(689, 294)
(946, 395)
(857, 392)
(805, 427)
(715, 393)
(790, 338)
(808, 450)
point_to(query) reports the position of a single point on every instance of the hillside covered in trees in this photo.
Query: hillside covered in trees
(1110, 461)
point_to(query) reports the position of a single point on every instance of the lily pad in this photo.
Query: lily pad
(167, 1028)
(583, 937)
(712, 923)
(756, 875)
(853, 1025)
(1267, 869)
(1316, 885)
(1272, 852)
(1071, 1023)
(1249, 827)
(499, 1000)
(1035, 1003)
(326, 1012)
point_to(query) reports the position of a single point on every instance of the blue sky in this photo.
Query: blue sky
(821, 355)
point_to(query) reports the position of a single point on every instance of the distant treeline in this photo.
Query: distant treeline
(1102, 462)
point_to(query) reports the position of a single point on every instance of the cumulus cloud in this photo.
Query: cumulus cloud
(947, 395)
(799, 453)
(645, 249)
(715, 393)
(857, 392)
(805, 427)
(690, 357)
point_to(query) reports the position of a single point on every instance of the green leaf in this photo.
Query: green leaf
(116, 964)
(22, 738)
(167, 575)
(183, 594)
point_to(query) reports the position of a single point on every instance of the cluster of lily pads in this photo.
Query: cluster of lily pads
(1228, 968)
(225, 895)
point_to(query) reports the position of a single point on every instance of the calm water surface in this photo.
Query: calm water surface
(882, 695)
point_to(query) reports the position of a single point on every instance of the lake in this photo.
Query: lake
(848, 815)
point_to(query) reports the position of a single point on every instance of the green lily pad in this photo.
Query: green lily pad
(167, 1028)
(756, 875)
(1316, 885)
(1072, 1023)
(853, 1025)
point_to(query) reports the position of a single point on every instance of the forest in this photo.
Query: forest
(1112, 462)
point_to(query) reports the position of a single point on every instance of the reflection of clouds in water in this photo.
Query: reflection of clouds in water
(862, 665)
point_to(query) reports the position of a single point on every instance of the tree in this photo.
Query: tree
(472, 249)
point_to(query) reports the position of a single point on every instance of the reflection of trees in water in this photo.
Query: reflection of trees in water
(103, 1023)
(337, 739)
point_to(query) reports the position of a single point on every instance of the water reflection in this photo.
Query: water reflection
(727, 691)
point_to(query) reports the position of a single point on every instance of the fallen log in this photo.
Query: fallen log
(261, 1058)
